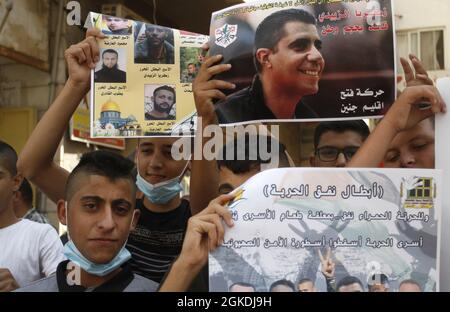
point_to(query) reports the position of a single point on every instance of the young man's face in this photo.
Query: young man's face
(333, 145)
(191, 69)
(109, 59)
(155, 35)
(99, 216)
(163, 100)
(116, 23)
(296, 62)
(413, 148)
(8, 185)
(228, 180)
(155, 161)
(306, 287)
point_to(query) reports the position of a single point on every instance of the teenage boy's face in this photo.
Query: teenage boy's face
(100, 215)
(8, 184)
(329, 141)
(155, 161)
(228, 180)
(413, 148)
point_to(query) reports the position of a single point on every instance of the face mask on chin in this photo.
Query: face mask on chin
(160, 193)
(75, 256)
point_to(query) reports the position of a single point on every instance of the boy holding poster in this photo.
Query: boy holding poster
(158, 237)
(405, 136)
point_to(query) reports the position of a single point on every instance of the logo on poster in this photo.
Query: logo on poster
(418, 192)
(237, 199)
(226, 35)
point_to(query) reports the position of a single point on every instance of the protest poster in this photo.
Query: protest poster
(343, 67)
(442, 162)
(142, 84)
(374, 221)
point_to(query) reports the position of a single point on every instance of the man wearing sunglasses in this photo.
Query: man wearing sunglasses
(335, 142)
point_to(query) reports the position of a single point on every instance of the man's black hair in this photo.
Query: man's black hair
(110, 51)
(305, 280)
(167, 88)
(26, 191)
(103, 163)
(349, 280)
(8, 158)
(241, 284)
(247, 164)
(358, 126)
(271, 30)
(284, 283)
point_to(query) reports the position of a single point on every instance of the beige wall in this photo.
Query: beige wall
(429, 14)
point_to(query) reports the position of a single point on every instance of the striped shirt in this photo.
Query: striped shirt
(157, 240)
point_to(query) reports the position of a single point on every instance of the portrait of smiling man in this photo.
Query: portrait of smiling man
(289, 66)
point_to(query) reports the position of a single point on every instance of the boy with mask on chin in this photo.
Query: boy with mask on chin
(158, 236)
(99, 212)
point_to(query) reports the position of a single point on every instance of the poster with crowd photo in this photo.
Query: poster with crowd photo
(143, 81)
(306, 59)
(368, 223)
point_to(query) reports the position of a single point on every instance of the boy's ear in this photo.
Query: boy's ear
(61, 210)
(18, 178)
(136, 215)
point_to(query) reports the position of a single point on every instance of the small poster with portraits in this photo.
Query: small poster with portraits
(143, 81)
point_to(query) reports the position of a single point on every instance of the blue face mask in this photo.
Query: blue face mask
(74, 255)
(160, 193)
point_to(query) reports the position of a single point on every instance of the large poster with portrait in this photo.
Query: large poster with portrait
(143, 81)
(303, 60)
(375, 227)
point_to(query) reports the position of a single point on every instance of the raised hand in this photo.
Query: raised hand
(206, 89)
(327, 265)
(81, 58)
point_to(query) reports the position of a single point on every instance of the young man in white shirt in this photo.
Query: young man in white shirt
(29, 250)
